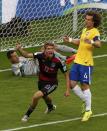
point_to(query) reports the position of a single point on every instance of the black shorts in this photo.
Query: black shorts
(47, 87)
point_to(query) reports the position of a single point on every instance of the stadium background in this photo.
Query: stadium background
(37, 9)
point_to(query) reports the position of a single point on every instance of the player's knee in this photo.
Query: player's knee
(38, 95)
(85, 86)
(73, 84)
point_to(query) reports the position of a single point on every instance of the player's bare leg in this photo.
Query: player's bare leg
(33, 105)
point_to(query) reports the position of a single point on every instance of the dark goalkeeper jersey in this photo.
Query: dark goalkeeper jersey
(49, 67)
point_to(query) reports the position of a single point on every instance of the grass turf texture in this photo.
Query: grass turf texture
(16, 93)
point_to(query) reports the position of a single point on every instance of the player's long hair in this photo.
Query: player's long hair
(96, 17)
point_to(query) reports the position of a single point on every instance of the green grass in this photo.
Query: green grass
(16, 93)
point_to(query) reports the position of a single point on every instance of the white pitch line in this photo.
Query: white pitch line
(98, 56)
(5, 70)
(52, 123)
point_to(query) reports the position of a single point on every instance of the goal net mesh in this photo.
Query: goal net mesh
(38, 21)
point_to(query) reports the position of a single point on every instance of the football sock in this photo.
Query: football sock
(29, 111)
(50, 106)
(77, 90)
(48, 102)
(87, 94)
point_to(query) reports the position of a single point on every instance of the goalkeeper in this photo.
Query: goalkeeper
(22, 66)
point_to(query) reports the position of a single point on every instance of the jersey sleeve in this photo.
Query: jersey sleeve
(37, 55)
(62, 67)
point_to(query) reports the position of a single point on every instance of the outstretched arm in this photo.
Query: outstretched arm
(65, 48)
(71, 40)
(23, 52)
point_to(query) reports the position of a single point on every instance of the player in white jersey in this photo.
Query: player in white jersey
(22, 66)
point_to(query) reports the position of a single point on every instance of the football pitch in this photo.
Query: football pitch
(16, 94)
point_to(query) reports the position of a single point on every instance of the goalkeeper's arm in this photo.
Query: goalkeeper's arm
(23, 52)
(71, 40)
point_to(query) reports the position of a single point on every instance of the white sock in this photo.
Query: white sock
(87, 94)
(77, 90)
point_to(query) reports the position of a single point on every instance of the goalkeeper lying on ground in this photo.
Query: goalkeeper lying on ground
(22, 66)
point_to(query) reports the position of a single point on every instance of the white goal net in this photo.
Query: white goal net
(37, 21)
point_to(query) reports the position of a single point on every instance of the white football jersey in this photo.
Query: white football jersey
(25, 67)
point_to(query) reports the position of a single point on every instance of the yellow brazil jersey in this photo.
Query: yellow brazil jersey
(84, 54)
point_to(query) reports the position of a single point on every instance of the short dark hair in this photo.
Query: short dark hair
(9, 53)
(48, 44)
(96, 17)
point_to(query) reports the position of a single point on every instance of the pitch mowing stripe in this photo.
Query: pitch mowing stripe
(98, 56)
(52, 123)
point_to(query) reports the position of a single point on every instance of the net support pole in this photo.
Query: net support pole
(75, 16)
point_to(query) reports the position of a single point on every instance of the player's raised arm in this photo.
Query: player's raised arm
(67, 39)
(23, 52)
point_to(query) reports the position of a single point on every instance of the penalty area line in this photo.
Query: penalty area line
(52, 123)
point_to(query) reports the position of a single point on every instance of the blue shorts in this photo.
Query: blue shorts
(81, 73)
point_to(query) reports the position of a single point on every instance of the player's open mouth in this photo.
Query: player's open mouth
(50, 53)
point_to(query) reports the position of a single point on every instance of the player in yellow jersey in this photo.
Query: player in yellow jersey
(81, 70)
